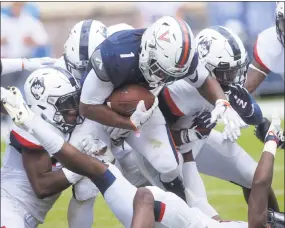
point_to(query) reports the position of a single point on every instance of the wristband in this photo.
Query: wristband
(270, 147)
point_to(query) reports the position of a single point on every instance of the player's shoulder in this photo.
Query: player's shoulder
(267, 42)
(21, 139)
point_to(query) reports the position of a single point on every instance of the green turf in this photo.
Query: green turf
(230, 206)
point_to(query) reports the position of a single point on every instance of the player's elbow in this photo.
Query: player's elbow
(40, 191)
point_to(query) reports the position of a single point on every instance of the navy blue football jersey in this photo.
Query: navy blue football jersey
(116, 59)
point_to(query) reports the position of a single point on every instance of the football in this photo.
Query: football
(124, 100)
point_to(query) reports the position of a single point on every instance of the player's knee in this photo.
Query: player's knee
(143, 197)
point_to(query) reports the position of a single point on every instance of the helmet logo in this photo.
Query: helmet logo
(165, 36)
(38, 88)
(204, 47)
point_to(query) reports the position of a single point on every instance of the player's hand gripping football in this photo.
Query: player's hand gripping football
(223, 110)
(36, 63)
(141, 115)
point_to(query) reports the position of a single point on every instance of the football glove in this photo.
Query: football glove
(199, 130)
(141, 115)
(223, 110)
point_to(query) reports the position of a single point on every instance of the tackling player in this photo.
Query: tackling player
(190, 121)
(268, 56)
(268, 52)
(31, 181)
(169, 210)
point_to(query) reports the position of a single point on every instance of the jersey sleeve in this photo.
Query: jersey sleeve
(20, 139)
(94, 90)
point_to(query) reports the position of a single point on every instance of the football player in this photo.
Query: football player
(190, 121)
(268, 52)
(169, 210)
(154, 57)
(31, 181)
(268, 56)
(258, 215)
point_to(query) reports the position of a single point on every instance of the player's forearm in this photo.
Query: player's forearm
(177, 137)
(256, 117)
(50, 183)
(211, 90)
(80, 163)
(106, 116)
(11, 65)
(258, 199)
(255, 76)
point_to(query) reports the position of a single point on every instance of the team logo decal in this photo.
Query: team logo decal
(164, 36)
(38, 88)
(204, 47)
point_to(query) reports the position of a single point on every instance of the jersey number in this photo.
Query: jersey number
(127, 55)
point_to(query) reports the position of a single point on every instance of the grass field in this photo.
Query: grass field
(225, 197)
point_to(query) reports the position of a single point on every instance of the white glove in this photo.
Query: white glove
(230, 117)
(36, 63)
(117, 135)
(96, 148)
(88, 145)
(141, 115)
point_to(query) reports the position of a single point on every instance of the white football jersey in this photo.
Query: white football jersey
(186, 102)
(269, 52)
(14, 179)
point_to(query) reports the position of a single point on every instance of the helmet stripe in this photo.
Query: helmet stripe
(84, 40)
(186, 43)
(231, 40)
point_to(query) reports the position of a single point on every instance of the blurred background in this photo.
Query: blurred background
(43, 27)
(38, 29)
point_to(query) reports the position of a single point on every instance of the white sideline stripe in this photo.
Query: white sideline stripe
(278, 192)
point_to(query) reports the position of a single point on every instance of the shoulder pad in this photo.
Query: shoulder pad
(20, 139)
(98, 66)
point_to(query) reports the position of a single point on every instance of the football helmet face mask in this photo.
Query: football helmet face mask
(223, 54)
(280, 21)
(54, 94)
(83, 39)
(167, 49)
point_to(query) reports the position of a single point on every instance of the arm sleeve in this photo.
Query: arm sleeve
(94, 90)
(256, 117)
(11, 65)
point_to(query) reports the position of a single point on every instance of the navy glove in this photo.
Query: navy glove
(240, 100)
(200, 129)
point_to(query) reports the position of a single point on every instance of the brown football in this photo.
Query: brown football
(124, 100)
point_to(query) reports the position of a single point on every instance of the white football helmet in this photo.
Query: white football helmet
(167, 49)
(54, 94)
(118, 27)
(83, 39)
(223, 54)
(280, 21)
